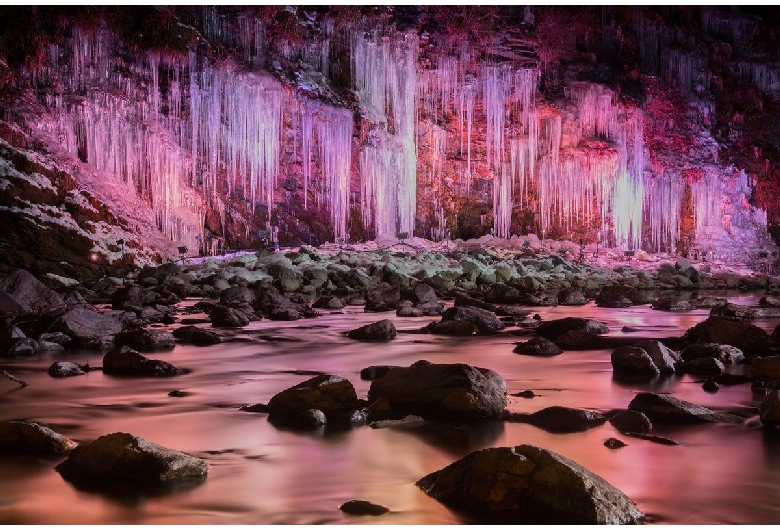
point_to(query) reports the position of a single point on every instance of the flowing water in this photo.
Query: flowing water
(720, 473)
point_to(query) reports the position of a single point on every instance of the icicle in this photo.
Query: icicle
(334, 135)
(384, 74)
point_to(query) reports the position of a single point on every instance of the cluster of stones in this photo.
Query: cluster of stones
(485, 289)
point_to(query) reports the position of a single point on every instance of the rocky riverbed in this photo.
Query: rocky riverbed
(466, 295)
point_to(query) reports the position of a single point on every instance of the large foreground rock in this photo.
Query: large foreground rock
(528, 484)
(123, 459)
(32, 438)
(661, 408)
(442, 391)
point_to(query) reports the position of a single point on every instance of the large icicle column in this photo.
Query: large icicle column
(384, 70)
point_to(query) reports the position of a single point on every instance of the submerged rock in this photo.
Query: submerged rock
(527, 484)
(661, 408)
(442, 391)
(121, 459)
(31, 438)
(562, 419)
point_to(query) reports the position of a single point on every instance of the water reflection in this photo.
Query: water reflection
(262, 475)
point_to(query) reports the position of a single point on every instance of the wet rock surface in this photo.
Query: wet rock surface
(32, 438)
(442, 391)
(528, 484)
(120, 460)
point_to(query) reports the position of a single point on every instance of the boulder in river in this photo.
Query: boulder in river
(144, 339)
(381, 331)
(32, 438)
(665, 359)
(122, 459)
(485, 321)
(538, 347)
(631, 421)
(228, 317)
(334, 396)
(749, 338)
(552, 329)
(526, 484)
(630, 360)
(195, 335)
(91, 329)
(123, 360)
(559, 419)
(664, 409)
(442, 391)
(65, 369)
(722, 352)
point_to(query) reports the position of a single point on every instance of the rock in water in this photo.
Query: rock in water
(442, 391)
(358, 507)
(196, 335)
(32, 438)
(381, 331)
(90, 328)
(528, 484)
(661, 408)
(539, 347)
(123, 459)
(65, 369)
(124, 360)
(146, 339)
(334, 396)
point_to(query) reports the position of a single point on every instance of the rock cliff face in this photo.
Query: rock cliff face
(128, 131)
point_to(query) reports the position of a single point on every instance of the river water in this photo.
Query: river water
(719, 474)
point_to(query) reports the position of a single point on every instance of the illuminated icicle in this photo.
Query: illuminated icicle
(334, 135)
(251, 38)
(307, 146)
(628, 194)
(384, 69)
(663, 200)
(707, 196)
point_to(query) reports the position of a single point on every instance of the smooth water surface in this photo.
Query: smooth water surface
(261, 475)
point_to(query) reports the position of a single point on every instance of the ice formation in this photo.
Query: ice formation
(185, 132)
